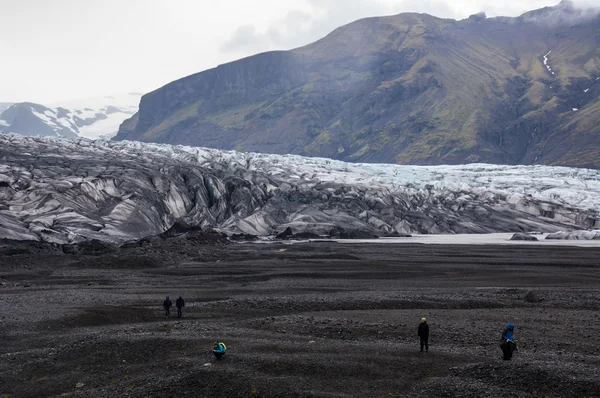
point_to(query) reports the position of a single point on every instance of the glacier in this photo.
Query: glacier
(62, 191)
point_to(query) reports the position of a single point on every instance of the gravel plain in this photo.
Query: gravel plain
(300, 320)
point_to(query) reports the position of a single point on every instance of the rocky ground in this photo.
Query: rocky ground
(299, 320)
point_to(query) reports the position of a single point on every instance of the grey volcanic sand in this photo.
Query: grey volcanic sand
(312, 319)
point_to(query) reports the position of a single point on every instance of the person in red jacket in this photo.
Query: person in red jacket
(423, 334)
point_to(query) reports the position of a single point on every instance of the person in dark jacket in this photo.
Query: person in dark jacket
(219, 349)
(424, 334)
(179, 303)
(508, 344)
(167, 304)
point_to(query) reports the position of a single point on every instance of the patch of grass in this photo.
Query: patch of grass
(189, 112)
(235, 117)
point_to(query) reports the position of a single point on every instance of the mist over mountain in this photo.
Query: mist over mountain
(565, 14)
(407, 89)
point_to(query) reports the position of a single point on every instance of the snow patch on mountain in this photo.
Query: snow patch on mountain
(91, 118)
(546, 64)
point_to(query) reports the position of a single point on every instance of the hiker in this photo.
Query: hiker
(167, 304)
(219, 349)
(508, 344)
(424, 334)
(179, 303)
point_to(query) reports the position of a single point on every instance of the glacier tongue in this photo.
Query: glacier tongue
(65, 191)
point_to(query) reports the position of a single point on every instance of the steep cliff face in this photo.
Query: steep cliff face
(187, 101)
(409, 88)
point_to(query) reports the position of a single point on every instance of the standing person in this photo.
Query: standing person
(508, 344)
(167, 304)
(424, 334)
(219, 349)
(179, 303)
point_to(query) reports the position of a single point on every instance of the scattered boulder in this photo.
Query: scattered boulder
(9, 247)
(353, 234)
(306, 235)
(532, 297)
(396, 234)
(525, 237)
(209, 237)
(93, 247)
(287, 234)
(178, 229)
(243, 238)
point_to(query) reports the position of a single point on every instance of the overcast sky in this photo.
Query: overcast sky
(52, 50)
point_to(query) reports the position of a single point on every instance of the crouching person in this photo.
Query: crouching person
(219, 349)
(508, 345)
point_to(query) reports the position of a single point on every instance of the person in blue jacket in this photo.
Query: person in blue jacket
(508, 341)
(219, 349)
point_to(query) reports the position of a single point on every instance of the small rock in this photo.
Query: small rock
(532, 297)
(525, 237)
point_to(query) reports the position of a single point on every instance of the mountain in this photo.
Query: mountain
(68, 191)
(90, 118)
(407, 89)
(4, 106)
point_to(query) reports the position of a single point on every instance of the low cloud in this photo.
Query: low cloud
(298, 28)
(566, 13)
(290, 32)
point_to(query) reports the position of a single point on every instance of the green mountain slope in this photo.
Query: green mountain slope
(409, 88)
